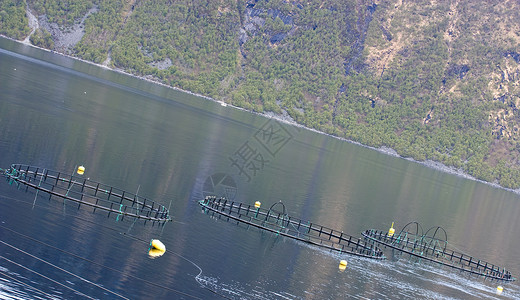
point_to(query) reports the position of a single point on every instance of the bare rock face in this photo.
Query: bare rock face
(65, 38)
(255, 21)
(33, 24)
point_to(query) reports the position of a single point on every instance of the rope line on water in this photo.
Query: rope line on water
(39, 184)
(197, 277)
(61, 269)
(27, 285)
(98, 264)
(48, 278)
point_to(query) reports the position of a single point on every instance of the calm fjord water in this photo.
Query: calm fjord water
(57, 113)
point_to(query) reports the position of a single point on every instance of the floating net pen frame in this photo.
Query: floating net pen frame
(86, 192)
(277, 221)
(432, 246)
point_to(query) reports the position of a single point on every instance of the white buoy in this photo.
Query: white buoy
(258, 204)
(500, 289)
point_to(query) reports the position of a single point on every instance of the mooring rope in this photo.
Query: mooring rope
(101, 265)
(27, 285)
(61, 269)
(197, 277)
(59, 283)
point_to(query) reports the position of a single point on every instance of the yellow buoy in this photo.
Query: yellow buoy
(81, 170)
(257, 204)
(154, 253)
(156, 244)
(500, 289)
(391, 231)
(342, 265)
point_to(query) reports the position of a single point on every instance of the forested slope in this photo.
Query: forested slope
(433, 80)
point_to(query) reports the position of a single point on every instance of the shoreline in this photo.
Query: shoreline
(385, 150)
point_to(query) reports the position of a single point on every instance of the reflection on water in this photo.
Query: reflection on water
(166, 145)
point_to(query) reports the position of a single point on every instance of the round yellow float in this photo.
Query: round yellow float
(154, 253)
(81, 170)
(157, 248)
(156, 244)
(342, 265)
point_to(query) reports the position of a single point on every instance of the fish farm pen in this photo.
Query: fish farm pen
(85, 192)
(433, 246)
(276, 220)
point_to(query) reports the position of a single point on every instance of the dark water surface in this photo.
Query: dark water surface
(58, 113)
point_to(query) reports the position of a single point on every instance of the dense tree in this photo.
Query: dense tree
(13, 20)
(42, 38)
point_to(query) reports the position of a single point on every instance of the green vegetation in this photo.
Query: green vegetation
(42, 38)
(195, 41)
(62, 12)
(101, 29)
(13, 21)
(434, 81)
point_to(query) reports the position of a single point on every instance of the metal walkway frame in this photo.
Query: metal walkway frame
(85, 192)
(433, 246)
(276, 220)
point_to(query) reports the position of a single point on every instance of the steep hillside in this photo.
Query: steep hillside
(433, 80)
